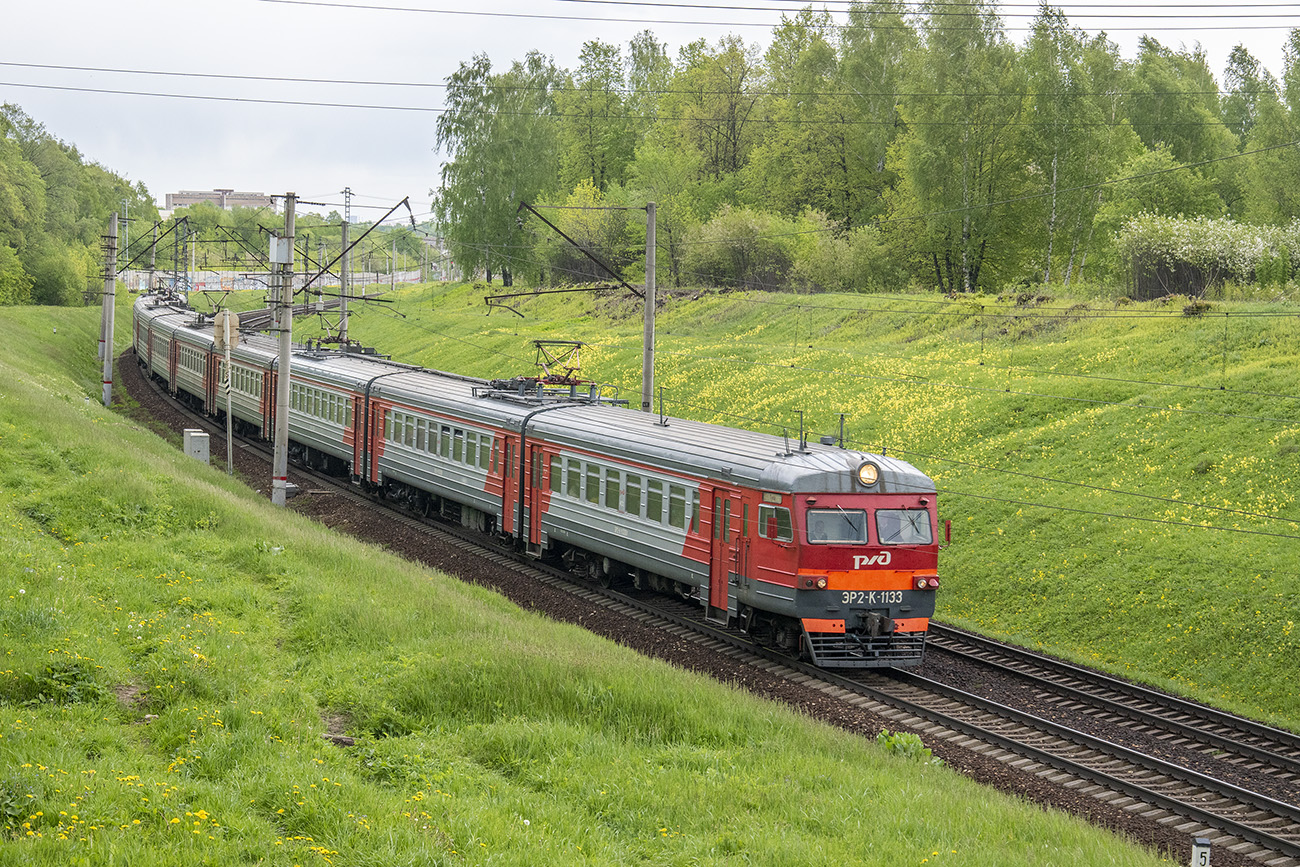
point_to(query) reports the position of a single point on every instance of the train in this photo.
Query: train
(820, 551)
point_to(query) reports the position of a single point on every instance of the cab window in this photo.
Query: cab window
(774, 523)
(903, 527)
(837, 526)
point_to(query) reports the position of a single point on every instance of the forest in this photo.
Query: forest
(54, 211)
(900, 150)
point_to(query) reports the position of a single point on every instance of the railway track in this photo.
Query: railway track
(1222, 736)
(1252, 825)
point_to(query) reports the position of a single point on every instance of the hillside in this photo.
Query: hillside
(175, 648)
(1120, 477)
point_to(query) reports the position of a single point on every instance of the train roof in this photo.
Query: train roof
(688, 447)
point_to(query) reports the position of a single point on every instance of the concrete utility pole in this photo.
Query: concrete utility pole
(282, 258)
(126, 235)
(110, 284)
(345, 276)
(226, 334)
(648, 338)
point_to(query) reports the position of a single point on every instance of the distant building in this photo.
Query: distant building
(224, 199)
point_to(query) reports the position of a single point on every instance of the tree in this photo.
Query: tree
(877, 48)
(22, 197)
(800, 160)
(1272, 175)
(957, 159)
(1175, 103)
(500, 136)
(713, 105)
(15, 284)
(598, 224)
(1152, 183)
(649, 71)
(1070, 141)
(743, 248)
(1247, 82)
(597, 137)
(665, 175)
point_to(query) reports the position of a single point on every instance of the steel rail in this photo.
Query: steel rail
(1289, 762)
(1254, 728)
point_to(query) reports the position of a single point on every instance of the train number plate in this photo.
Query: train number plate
(872, 597)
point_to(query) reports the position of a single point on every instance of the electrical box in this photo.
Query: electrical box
(281, 250)
(196, 444)
(220, 322)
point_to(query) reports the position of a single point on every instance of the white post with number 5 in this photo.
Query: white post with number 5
(1200, 852)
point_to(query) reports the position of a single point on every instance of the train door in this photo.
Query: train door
(268, 405)
(536, 495)
(725, 549)
(358, 441)
(211, 380)
(509, 485)
(173, 357)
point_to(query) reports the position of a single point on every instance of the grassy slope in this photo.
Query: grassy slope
(137, 582)
(1012, 410)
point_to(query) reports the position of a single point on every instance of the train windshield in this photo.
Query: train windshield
(837, 526)
(903, 527)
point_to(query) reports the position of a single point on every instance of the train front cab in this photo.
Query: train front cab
(867, 576)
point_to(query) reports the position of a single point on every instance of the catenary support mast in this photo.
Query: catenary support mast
(283, 259)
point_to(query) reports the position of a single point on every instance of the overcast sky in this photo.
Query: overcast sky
(173, 143)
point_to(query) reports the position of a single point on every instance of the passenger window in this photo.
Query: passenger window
(654, 500)
(677, 506)
(593, 483)
(421, 435)
(471, 449)
(573, 486)
(444, 442)
(695, 511)
(486, 447)
(632, 499)
(458, 446)
(555, 473)
(611, 489)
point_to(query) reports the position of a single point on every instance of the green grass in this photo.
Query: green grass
(1083, 493)
(174, 648)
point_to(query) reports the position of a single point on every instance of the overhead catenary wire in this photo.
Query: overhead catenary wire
(538, 16)
(623, 91)
(424, 109)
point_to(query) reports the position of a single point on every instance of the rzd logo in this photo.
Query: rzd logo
(861, 560)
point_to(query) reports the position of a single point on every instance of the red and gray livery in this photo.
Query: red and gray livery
(815, 549)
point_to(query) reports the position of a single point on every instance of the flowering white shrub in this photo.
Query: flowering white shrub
(1206, 251)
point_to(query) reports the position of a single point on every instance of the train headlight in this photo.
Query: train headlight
(868, 474)
(926, 582)
(821, 583)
